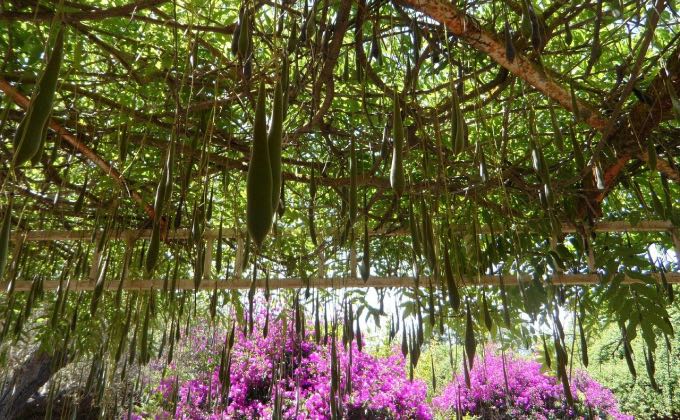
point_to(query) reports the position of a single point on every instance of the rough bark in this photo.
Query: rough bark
(25, 381)
(466, 28)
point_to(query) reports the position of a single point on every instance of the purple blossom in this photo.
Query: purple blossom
(295, 367)
(515, 387)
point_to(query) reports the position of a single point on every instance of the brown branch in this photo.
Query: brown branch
(468, 30)
(88, 153)
(42, 16)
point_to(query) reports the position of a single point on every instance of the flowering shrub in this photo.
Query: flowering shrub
(529, 393)
(283, 363)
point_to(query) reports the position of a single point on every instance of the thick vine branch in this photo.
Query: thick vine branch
(468, 30)
(41, 16)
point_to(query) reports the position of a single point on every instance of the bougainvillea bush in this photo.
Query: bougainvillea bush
(528, 393)
(282, 368)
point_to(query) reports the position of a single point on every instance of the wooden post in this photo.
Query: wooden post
(240, 251)
(207, 259)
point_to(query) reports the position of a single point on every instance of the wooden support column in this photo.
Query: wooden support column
(207, 259)
(240, 253)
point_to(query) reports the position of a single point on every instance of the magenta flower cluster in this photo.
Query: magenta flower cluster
(513, 387)
(295, 367)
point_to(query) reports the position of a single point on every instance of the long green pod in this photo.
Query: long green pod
(4, 236)
(28, 138)
(454, 294)
(470, 340)
(413, 228)
(274, 144)
(457, 124)
(259, 181)
(397, 180)
(244, 35)
(154, 248)
(353, 171)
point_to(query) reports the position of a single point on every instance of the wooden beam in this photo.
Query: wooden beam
(326, 283)
(184, 234)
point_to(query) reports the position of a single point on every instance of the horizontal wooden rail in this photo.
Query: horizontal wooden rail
(184, 234)
(326, 283)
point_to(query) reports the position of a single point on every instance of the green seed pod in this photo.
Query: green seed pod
(29, 137)
(457, 124)
(568, 37)
(509, 47)
(413, 228)
(244, 36)
(454, 294)
(651, 156)
(488, 322)
(353, 171)
(584, 343)
(574, 104)
(397, 179)
(274, 145)
(218, 256)
(578, 153)
(259, 182)
(470, 340)
(154, 248)
(123, 144)
(365, 267)
(4, 236)
(559, 139)
(237, 32)
(292, 39)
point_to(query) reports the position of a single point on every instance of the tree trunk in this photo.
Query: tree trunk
(26, 380)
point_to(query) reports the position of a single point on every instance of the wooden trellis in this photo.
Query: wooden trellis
(320, 281)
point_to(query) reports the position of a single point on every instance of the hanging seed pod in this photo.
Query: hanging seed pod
(454, 294)
(291, 47)
(536, 34)
(404, 343)
(466, 374)
(584, 343)
(546, 353)
(470, 340)
(274, 144)
(218, 256)
(237, 32)
(365, 267)
(651, 369)
(568, 37)
(30, 135)
(481, 158)
(353, 173)
(259, 182)
(208, 213)
(244, 35)
(397, 179)
(376, 51)
(651, 155)
(123, 142)
(312, 194)
(4, 235)
(488, 322)
(627, 350)
(578, 153)
(509, 46)
(78, 205)
(282, 201)
(574, 104)
(457, 124)
(559, 139)
(358, 337)
(539, 163)
(413, 228)
(154, 248)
